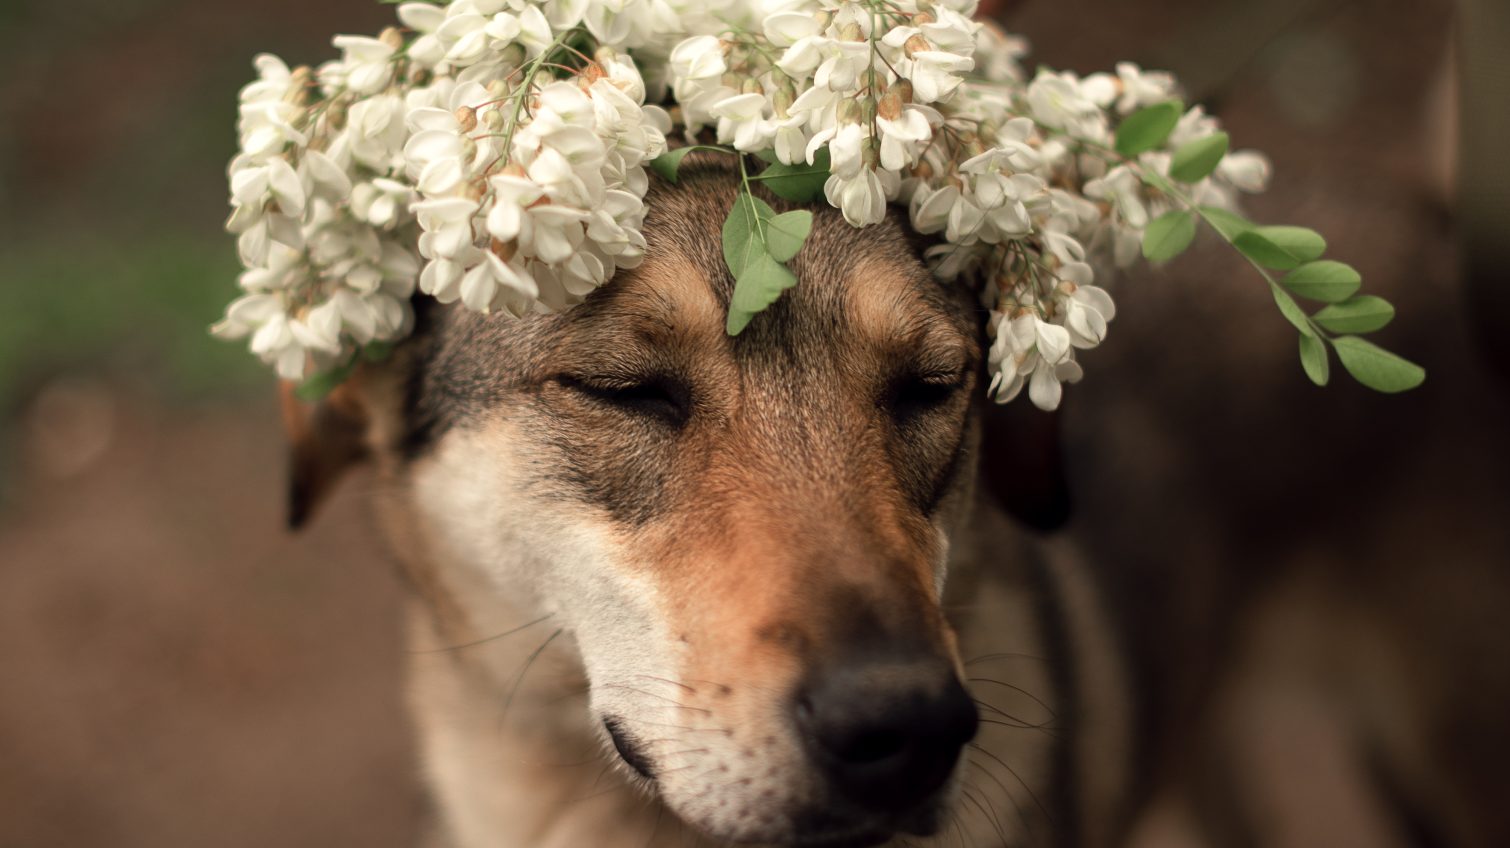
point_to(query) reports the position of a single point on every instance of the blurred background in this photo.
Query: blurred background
(1309, 586)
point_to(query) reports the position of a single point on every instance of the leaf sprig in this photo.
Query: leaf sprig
(757, 242)
(1293, 252)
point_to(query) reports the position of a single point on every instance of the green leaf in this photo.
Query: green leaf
(1325, 280)
(377, 351)
(1281, 248)
(762, 281)
(1229, 224)
(1291, 310)
(1313, 359)
(742, 231)
(799, 183)
(1362, 314)
(1375, 367)
(1195, 160)
(667, 164)
(1168, 235)
(785, 233)
(1148, 127)
(319, 385)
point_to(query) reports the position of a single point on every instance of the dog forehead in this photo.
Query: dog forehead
(853, 284)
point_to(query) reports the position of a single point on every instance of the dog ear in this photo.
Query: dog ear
(1023, 464)
(325, 439)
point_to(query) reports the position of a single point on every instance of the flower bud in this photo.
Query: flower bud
(335, 115)
(783, 98)
(299, 81)
(915, 45)
(392, 37)
(868, 110)
(851, 32)
(903, 88)
(513, 55)
(493, 119)
(849, 112)
(498, 89)
(466, 116)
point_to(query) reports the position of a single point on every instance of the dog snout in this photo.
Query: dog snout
(886, 733)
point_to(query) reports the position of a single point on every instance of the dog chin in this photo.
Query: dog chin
(825, 829)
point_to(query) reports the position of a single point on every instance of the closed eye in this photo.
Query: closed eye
(661, 399)
(917, 394)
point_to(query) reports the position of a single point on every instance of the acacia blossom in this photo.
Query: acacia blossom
(493, 153)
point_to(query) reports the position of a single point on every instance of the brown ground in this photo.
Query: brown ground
(180, 671)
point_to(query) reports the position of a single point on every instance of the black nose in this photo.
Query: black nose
(886, 733)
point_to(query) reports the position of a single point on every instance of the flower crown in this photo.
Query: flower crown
(495, 152)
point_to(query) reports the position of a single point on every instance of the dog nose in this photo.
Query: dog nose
(887, 734)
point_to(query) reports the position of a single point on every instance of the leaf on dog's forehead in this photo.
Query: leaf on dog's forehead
(799, 183)
(762, 281)
(667, 164)
(742, 228)
(785, 233)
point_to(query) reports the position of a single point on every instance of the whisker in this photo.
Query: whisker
(1029, 695)
(654, 695)
(1022, 817)
(666, 680)
(1006, 655)
(485, 640)
(1023, 783)
(514, 690)
(724, 730)
(657, 827)
(990, 817)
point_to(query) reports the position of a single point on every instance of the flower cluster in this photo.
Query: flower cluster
(493, 152)
(856, 79)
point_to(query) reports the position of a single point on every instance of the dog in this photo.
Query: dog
(673, 588)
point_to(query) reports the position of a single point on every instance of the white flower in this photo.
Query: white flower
(1248, 170)
(741, 121)
(1029, 351)
(1124, 191)
(425, 19)
(1057, 101)
(495, 282)
(366, 66)
(903, 136)
(935, 74)
(698, 58)
(861, 198)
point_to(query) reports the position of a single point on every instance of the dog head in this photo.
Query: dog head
(746, 536)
